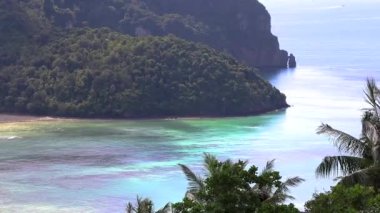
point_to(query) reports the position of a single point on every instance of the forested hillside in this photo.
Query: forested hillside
(53, 67)
(240, 27)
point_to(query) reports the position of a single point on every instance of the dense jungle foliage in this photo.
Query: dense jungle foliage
(228, 187)
(240, 27)
(342, 199)
(46, 68)
(97, 72)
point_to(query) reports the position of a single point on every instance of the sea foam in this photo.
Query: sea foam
(12, 137)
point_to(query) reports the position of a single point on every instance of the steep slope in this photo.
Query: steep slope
(106, 74)
(23, 27)
(242, 28)
(48, 66)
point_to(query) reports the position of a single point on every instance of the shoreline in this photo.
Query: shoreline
(8, 118)
(15, 118)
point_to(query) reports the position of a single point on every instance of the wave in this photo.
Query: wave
(9, 137)
(363, 19)
(330, 7)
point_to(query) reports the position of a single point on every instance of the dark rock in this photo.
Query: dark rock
(292, 61)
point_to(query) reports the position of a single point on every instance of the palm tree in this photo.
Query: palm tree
(270, 194)
(142, 206)
(146, 206)
(195, 182)
(361, 161)
(280, 194)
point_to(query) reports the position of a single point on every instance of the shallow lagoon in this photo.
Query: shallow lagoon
(99, 165)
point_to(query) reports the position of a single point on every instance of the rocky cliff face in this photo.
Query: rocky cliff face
(241, 28)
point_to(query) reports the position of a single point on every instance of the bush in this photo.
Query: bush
(345, 199)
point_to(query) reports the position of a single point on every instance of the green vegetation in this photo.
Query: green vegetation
(21, 24)
(101, 73)
(146, 206)
(230, 187)
(57, 58)
(48, 69)
(362, 164)
(358, 188)
(239, 27)
(342, 199)
(142, 206)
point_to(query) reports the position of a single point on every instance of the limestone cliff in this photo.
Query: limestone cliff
(241, 28)
(48, 69)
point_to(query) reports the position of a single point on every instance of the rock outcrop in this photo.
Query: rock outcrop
(292, 61)
(241, 28)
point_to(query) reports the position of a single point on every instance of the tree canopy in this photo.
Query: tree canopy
(232, 187)
(98, 72)
(52, 63)
(240, 27)
(342, 199)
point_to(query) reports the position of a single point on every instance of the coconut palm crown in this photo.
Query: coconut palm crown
(267, 192)
(360, 162)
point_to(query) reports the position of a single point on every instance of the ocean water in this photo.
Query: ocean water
(100, 165)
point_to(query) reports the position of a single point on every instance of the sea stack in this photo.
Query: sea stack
(292, 61)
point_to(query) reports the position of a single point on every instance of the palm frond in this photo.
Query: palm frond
(139, 201)
(210, 163)
(278, 198)
(166, 209)
(334, 165)
(358, 177)
(367, 152)
(372, 95)
(265, 192)
(144, 205)
(292, 182)
(243, 164)
(195, 182)
(370, 131)
(363, 167)
(343, 141)
(281, 193)
(268, 167)
(130, 208)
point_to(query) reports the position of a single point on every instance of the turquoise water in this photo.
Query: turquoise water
(99, 165)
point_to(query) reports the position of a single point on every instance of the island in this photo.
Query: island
(59, 58)
(241, 28)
